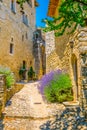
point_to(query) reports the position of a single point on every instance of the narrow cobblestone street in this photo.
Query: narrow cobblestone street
(27, 111)
(43, 65)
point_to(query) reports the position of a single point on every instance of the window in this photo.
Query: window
(12, 39)
(11, 48)
(30, 62)
(13, 6)
(36, 35)
(25, 19)
(24, 64)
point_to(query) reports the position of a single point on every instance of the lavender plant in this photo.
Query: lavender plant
(46, 79)
(56, 86)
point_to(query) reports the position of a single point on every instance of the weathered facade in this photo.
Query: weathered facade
(71, 53)
(39, 53)
(52, 59)
(61, 41)
(16, 33)
(72, 60)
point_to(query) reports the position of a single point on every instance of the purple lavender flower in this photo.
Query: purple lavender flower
(46, 79)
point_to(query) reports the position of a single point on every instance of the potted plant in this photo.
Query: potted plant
(31, 73)
(22, 72)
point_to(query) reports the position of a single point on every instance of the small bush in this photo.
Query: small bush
(31, 73)
(22, 72)
(58, 89)
(9, 76)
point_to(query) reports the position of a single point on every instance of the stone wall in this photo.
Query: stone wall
(14, 89)
(52, 59)
(14, 31)
(60, 44)
(72, 59)
(68, 58)
(52, 62)
(6, 94)
(39, 53)
(2, 92)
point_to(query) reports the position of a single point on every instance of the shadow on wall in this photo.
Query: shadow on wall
(8, 103)
(70, 119)
(60, 44)
(1, 124)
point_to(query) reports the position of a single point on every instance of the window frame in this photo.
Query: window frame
(11, 49)
(13, 6)
(25, 19)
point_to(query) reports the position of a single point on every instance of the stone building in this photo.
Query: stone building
(59, 43)
(71, 51)
(16, 32)
(52, 59)
(39, 53)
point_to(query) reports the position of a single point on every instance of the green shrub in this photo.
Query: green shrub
(31, 73)
(9, 76)
(21, 71)
(59, 89)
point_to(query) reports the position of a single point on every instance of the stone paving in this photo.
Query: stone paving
(27, 111)
(70, 119)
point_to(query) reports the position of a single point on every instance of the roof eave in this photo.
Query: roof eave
(52, 7)
(36, 3)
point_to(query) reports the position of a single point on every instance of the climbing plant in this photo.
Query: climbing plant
(70, 14)
(22, 1)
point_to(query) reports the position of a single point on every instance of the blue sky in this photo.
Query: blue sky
(41, 12)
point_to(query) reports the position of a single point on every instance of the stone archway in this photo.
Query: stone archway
(75, 75)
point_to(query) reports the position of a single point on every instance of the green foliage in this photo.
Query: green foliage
(31, 73)
(22, 70)
(10, 80)
(71, 13)
(21, 2)
(59, 89)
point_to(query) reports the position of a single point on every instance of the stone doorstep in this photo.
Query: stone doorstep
(28, 117)
(71, 104)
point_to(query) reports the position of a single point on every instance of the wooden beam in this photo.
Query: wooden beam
(53, 4)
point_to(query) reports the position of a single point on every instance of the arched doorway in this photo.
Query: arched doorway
(75, 75)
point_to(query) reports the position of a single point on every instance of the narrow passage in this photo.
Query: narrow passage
(26, 110)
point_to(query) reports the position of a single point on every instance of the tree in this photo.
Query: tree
(71, 13)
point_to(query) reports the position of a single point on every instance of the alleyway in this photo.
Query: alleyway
(27, 111)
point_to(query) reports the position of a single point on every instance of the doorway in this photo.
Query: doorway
(75, 74)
